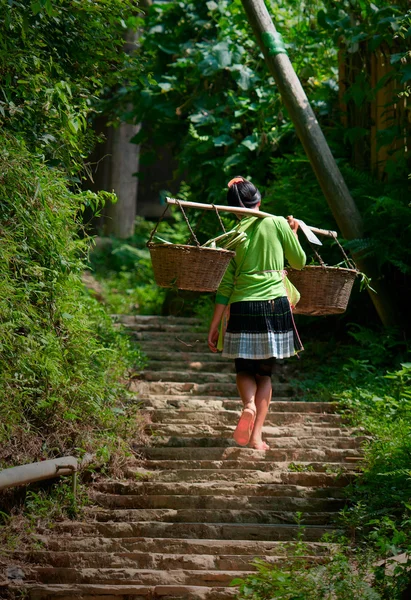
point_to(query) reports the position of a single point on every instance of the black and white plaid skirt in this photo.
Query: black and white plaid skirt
(261, 329)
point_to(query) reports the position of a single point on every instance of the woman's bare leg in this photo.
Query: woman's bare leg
(247, 388)
(262, 402)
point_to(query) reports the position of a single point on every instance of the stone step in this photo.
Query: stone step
(133, 576)
(184, 337)
(192, 366)
(171, 388)
(248, 467)
(157, 320)
(246, 455)
(245, 491)
(158, 356)
(269, 431)
(215, 503)
(197, 372)
(190, 376)
(194, 515)
(161, 561)
(230, 417)
(195, 402)
(170, 328)
(338, 442)
(127, 592)
(170, 360)
(237, 476)
(225, 531)
(174, 346)
(169, 547)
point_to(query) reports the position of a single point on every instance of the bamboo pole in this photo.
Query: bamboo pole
(243, 211)
(312, 138)
(315, 145)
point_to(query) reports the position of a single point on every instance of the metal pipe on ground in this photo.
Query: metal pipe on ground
(39, 471)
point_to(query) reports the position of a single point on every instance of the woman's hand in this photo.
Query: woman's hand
(293, 224)
(213, 332)
(213, 338)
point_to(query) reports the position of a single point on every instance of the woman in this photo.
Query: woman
(261, 326)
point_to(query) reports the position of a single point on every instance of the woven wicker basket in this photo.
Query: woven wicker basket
(324, 290)
(189, 267)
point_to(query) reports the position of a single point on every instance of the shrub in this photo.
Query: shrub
(60, 357)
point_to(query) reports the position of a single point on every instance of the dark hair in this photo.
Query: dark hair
(243, 194)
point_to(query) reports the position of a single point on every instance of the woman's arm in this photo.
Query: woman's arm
(292, 247)
(215, 322)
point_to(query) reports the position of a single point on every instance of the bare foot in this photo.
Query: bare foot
(244, 427)
(258, 446)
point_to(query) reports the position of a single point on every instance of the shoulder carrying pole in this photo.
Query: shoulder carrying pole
(254, 213)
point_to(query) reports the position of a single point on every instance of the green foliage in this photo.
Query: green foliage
(61, 358)
(378, 517)
(383, 29)
(215, 102)
(58, 60)
(123, 269)
(338, 579)
(40, 506)
(384, 409)
(55, 503)
(355, 21)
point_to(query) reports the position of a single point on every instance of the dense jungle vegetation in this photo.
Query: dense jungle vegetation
(61, 358)
(200, 86)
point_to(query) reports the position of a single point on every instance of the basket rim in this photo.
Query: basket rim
(154, 246)
(326, 268)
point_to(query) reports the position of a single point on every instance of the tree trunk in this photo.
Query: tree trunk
(120, 217)
(124, 164)
(315, 145)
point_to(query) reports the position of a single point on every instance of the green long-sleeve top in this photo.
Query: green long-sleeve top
(257, 270)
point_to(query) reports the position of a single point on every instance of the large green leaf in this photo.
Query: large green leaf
(223, 140)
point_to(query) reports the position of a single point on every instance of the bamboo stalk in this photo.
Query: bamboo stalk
(242, 211)
(328, 174)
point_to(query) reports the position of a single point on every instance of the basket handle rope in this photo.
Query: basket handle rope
(219, 218)
(195, 228)
(200, 220)
(320, 260)
(156, 226)
(192, 233)
(349, 262)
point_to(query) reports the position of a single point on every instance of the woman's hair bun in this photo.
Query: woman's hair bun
(242, 193)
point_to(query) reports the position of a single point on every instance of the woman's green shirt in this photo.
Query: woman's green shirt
(257, 270)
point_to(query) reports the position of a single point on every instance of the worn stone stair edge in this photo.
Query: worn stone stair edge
(202, 503)
(279, 405)
(97, 592)
(188, 546)
(144, 560)
(224, 531)
(243, 489)
(247, 454)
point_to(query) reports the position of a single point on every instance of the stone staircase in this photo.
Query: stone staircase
(200, 509)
